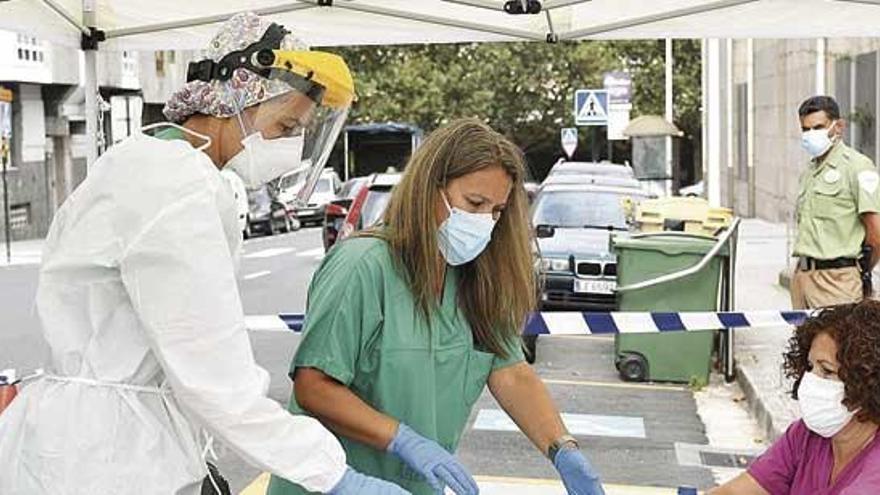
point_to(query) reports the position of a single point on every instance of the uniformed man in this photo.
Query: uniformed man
(837, 213)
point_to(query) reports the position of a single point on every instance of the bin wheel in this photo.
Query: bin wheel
(530, 345)
(633, 368)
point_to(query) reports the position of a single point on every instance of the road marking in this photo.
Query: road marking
(269, 253)
(578, 424)
(312, 252)
(266, 323)
(254, 275)
(21, 259)
(582, 337)
(634, 386)
(499, 485)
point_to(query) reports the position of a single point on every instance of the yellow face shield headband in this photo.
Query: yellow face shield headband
(327, 70)
(322, 76)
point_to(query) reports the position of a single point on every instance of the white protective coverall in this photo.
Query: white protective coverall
(139, 304)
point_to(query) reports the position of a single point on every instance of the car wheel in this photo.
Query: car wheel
(530, 346)
(633, 367)
(247, 233)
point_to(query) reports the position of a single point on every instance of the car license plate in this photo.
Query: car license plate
(595, 286)
(306, 213)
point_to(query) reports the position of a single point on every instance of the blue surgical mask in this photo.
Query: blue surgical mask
(817, 142)
(464, 235)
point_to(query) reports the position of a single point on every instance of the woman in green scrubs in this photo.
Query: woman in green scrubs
(407, 323)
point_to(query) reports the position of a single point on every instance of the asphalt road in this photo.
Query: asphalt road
(627, 430)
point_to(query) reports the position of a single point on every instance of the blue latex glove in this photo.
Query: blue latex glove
(433, 462)
(577, 474)
(355, 483)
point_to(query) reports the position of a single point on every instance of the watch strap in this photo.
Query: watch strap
(559, 444)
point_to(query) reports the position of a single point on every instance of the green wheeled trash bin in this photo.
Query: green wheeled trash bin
(683, 357)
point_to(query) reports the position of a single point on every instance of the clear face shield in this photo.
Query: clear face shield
(288, 133)
(294, 131)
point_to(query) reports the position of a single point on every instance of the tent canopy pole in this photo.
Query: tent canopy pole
(67, 16)
(90, 52)
(200, 21)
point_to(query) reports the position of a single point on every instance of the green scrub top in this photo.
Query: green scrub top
(833, 193)
(363, 329)
(169, 134)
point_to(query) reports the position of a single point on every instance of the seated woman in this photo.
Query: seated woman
(834, 450)
(407, 324)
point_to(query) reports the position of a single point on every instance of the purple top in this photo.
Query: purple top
(800, 463)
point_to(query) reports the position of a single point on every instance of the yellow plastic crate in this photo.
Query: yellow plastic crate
(692, 215)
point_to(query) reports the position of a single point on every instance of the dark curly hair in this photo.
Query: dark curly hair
(856, 330)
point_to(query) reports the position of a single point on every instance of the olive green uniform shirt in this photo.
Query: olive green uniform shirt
(833, 193)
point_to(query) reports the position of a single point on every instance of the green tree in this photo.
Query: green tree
(524, 90)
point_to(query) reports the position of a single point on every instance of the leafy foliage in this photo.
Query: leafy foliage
(524, 90)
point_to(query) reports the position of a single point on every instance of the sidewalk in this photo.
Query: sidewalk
(762, 257)
(23, 252)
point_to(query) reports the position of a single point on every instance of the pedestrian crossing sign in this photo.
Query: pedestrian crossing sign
(591, 107)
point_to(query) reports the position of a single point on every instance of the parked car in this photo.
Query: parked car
(697, 190)
(589, 168)
(574, 224)
(368, 206)
(337, 210)
(531, 190)
(268, 215)
(289, 184)
(605, 180)
(241, 199)
(326, 188)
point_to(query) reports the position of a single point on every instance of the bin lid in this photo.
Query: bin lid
(669, 243)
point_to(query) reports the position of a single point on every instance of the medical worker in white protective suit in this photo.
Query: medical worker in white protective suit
(138, 297)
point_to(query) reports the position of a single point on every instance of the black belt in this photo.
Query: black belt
(807, 264)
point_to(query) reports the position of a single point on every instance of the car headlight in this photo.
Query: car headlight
(555, 265)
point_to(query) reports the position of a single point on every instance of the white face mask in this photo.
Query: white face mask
(262, 160)
(464, 235)
(817, 142)
(821, 403)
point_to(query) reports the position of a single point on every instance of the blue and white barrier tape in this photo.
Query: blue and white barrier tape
(596, 323)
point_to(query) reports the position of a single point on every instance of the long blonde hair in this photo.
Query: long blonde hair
(496, 291)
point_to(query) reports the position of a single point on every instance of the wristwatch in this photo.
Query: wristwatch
(565, 441)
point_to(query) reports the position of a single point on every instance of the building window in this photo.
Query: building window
(29, 49)
(863, 114)
(843, 89)
(160, 63)
(20, 216)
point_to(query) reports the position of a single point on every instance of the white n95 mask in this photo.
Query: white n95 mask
(817, 142)
(821, 403)
(262, 160)
(464, 235)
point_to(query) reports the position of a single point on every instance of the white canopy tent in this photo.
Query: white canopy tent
(176, 24)
(172, 24)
